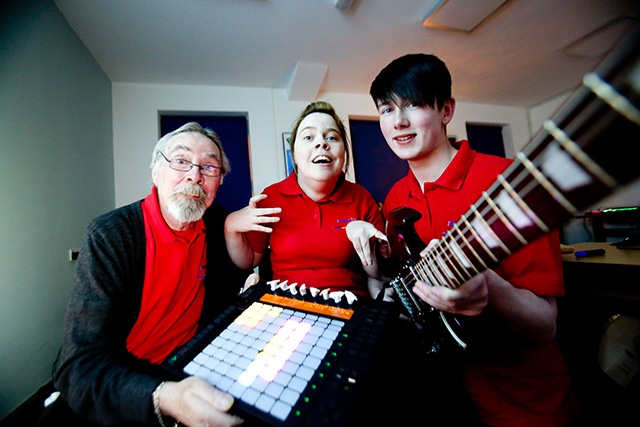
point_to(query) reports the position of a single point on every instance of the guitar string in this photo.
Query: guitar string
(428, 265)
(466, 244)
(460, 248)
(432, 265)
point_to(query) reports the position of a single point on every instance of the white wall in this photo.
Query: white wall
(56, 174)
(135, 125)
(136, 129)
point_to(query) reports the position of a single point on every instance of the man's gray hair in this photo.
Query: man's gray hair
(225, 167)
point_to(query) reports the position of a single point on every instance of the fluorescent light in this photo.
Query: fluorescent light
(461, 15)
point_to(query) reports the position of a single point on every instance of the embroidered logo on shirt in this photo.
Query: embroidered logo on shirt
(449, 224)
(342, 223)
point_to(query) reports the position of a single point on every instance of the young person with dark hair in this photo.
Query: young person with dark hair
(514, 373)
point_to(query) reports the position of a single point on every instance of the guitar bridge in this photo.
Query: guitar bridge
(423, 314)
(413, 306)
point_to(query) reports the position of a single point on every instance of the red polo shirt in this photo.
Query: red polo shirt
(506, 380)
(173, 291)
(309, 244)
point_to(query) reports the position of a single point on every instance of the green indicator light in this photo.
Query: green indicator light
(620, 209)
(313, 386)
(334, 354)
(306, 399)
(327, 364)
(321, 375)
(298, 413)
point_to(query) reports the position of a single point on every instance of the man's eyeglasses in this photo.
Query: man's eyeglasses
(184, 165)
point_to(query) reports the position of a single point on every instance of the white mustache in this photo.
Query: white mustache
(192, 190)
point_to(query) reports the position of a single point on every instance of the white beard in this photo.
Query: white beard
(187, 210)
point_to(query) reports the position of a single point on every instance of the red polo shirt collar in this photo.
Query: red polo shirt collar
(453, 176)
(291, 187)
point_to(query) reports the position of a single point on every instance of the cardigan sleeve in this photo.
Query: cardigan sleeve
(94, 372)
(96, 375)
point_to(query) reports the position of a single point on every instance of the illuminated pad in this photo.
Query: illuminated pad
(267, 356)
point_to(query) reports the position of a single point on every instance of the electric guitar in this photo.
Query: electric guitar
(587, 151)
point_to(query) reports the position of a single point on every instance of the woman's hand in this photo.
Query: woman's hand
(249, 218)
(360, 234)
(252, 218)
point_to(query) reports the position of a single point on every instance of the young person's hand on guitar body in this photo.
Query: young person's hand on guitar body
(526, 314)
(469, 299)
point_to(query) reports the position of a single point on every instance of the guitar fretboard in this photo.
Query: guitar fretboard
(584, 153)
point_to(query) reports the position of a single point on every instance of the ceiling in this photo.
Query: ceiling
(525, 52)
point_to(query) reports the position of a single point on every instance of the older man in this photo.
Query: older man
(148, 275)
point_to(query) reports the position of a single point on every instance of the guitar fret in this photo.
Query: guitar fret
(421, 272)
(554, 173)
(504, 219)
(424, 273)
(488, 231)
(523, 205)
(611, 96)
(439, 278)
(546, 184)
(580, 156)
(473, 251)
(443, 261)
(455, 262)
(479, 240)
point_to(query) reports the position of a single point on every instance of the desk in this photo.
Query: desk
(597, 288)
(615, 275)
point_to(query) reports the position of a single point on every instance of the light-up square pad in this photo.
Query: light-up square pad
(267, 356)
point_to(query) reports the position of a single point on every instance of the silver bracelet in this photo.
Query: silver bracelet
(156, 405)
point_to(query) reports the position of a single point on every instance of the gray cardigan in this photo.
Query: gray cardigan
(95, 374)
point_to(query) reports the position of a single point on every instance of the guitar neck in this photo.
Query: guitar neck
(584, 153)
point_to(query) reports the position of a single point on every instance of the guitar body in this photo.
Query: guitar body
(584, 153)
(439, 330)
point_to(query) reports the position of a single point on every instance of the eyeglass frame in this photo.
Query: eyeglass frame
(217, 170)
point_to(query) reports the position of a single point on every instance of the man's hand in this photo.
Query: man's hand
(195, 403)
